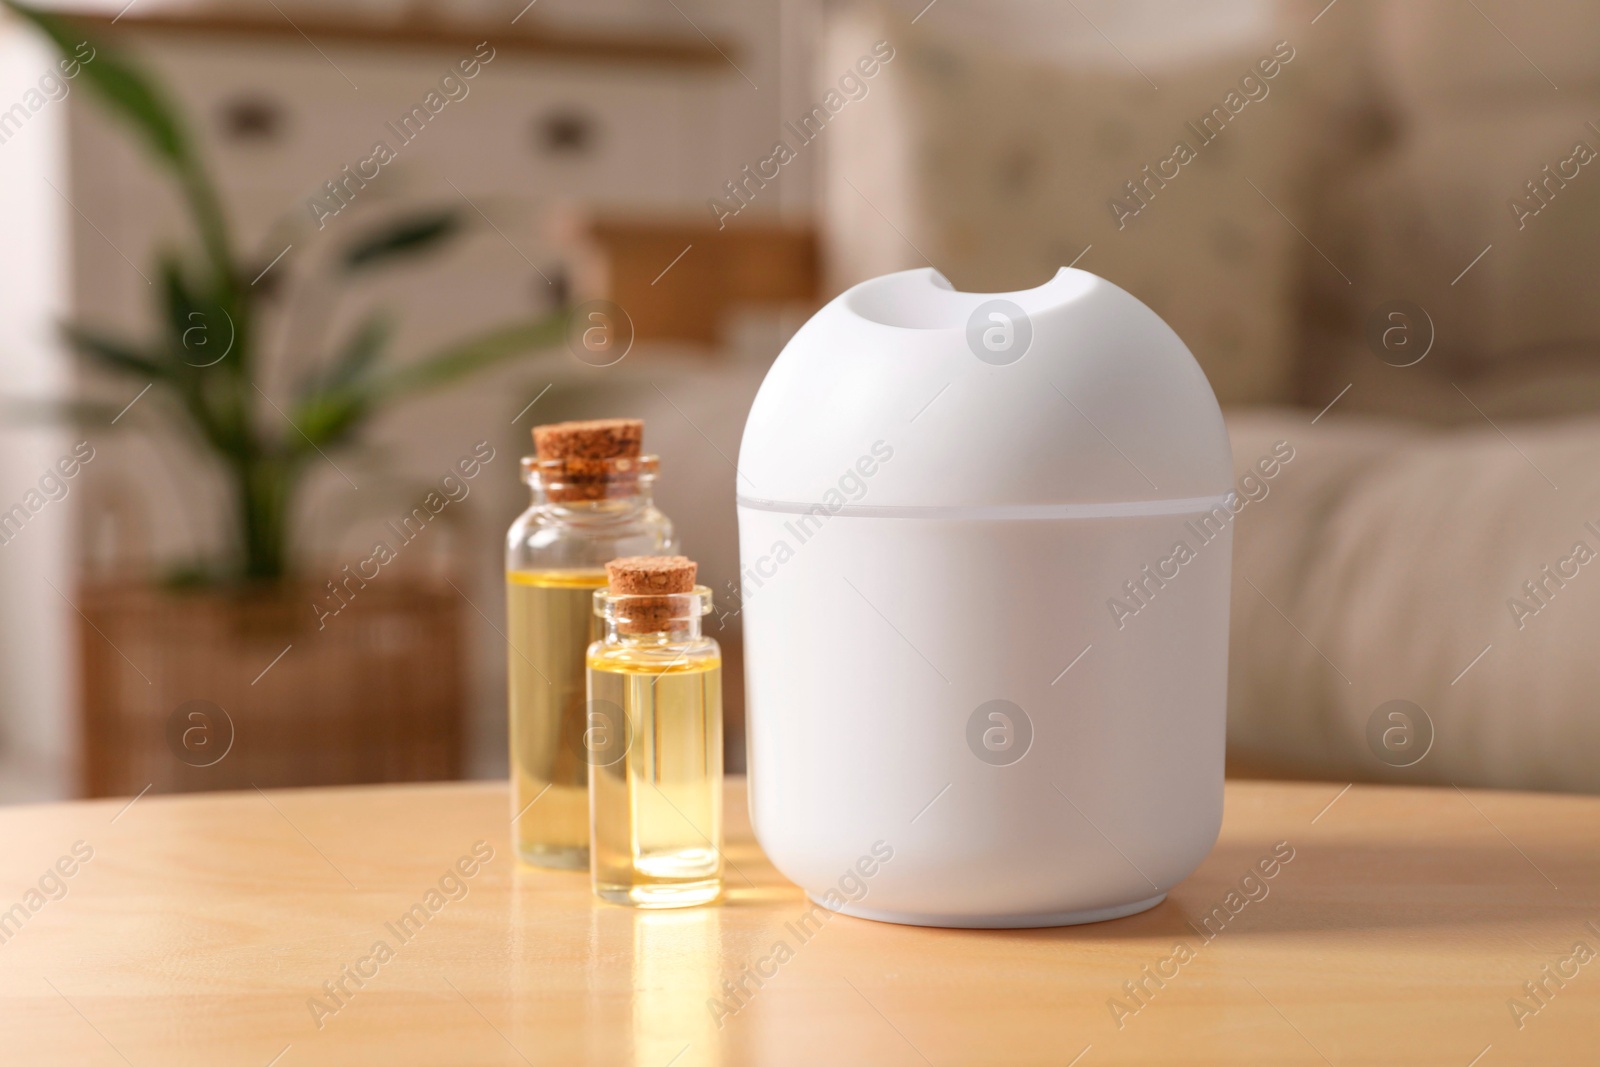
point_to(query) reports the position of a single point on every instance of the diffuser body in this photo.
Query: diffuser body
(985, 548)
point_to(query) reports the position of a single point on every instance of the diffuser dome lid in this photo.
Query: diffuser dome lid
(1073, 392)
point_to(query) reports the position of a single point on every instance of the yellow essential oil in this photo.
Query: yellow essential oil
(551, 621)
(591, 503)
(654, 739)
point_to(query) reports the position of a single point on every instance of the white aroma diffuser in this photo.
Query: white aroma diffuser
(985, 543)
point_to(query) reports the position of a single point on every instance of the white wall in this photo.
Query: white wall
(1091, 32)
(37, 627)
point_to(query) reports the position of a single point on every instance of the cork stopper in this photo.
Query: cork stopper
(654, 585)
(651, 574)
(590, 459)
(589, 439)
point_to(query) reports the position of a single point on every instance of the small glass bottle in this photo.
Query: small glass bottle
(591, 504)
(655, 739)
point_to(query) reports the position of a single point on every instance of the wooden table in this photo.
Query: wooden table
(198, 932)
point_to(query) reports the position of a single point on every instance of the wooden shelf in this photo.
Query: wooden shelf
(525, 37)
(679, 277)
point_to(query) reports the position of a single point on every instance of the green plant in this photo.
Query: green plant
(210, 295)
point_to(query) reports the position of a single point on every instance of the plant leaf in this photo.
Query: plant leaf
(183, 310)
(407, 236)
(332, 413)
(112, 354)
(138, 100)
(200, 335)
(86, 413)
(362, 351)
(460, 360)
(123, 86)
(333, 403)
(326, 417)
(201, 332)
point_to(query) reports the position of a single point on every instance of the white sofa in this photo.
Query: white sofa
(1370, 167)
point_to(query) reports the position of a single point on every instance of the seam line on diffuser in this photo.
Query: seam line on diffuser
(1108, 510)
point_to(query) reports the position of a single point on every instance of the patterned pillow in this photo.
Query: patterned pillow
(1180, 183)
(1481, 206)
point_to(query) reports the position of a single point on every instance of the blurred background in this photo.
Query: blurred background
(1373, 223)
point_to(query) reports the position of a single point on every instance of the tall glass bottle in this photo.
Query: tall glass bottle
(585, 512)
(655, 741)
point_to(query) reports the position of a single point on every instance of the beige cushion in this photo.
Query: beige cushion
(1488, 53)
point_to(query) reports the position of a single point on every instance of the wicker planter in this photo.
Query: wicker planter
(189, 691)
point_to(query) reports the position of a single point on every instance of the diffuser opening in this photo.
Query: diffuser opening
(925, 300)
